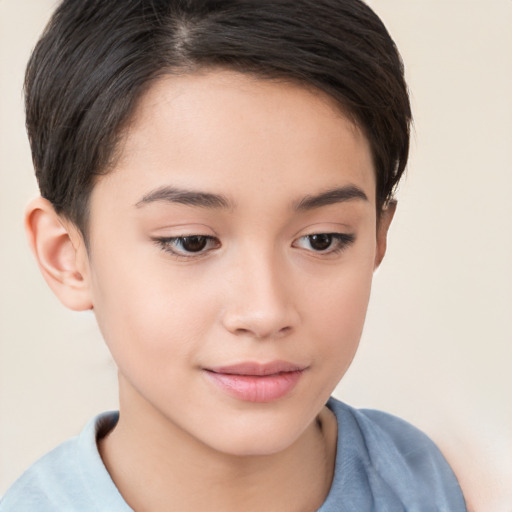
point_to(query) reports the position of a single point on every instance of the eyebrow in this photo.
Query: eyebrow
(187, 197)
(331, 196)
(170, 194)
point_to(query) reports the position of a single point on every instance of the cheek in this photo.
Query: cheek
(338, 312)
(150, 313)
(342, 312)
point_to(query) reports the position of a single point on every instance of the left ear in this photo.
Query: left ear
(60, 253)
(383, 223)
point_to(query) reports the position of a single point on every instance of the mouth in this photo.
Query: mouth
(255, 382)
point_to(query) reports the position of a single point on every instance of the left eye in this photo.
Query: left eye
(325, 242)
(188, 246)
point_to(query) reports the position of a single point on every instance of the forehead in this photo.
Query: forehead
(222, 131)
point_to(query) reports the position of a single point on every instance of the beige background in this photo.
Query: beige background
(437, 349)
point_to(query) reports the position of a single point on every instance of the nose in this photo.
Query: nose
(261, 301)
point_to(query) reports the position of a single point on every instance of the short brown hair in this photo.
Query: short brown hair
(96, 58)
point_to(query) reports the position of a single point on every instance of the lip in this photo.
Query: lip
(256, 382)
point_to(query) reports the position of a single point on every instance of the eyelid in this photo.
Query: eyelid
(176, 230)
(167, 244)
(343, 241)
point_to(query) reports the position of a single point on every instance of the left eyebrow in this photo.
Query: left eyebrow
(186, 197)
(331, 196)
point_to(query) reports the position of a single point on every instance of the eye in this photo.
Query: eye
(325, 243)
(188, 246)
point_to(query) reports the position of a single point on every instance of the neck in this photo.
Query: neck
(158, 467)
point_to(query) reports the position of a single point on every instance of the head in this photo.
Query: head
(97, 59)
(217, 181)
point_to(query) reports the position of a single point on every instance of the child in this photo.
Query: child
(217, 183)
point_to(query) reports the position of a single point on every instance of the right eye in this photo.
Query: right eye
(188, 246)
(325, 243)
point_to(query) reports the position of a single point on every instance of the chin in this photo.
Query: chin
(257, 438)
(253, 445)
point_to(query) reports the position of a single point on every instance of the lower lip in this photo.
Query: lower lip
(255, 388)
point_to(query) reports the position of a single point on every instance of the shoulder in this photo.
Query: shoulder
(394, 461)
(64, 478)
(41, 486)
(383, 432)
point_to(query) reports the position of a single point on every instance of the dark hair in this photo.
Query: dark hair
(97, 57)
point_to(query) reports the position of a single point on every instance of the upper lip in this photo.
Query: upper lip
(257, 369)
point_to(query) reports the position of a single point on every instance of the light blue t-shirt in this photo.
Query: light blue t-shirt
(383, 464)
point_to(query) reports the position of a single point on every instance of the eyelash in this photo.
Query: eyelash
(341, 241)
(169, 245)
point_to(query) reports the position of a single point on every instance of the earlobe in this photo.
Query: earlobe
(383, 223)
(60, 253)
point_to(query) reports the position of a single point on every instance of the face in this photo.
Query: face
(231, 257)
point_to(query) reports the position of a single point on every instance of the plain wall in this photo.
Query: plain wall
(437, 348)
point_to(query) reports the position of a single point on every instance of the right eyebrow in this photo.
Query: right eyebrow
(332, 196)
(169, 194)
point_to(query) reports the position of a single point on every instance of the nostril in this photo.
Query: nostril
(263, 333)
(261, 316)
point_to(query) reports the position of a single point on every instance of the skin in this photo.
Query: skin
(259, 291)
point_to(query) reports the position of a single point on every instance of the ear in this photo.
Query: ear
(383, 223)
(60, 253)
